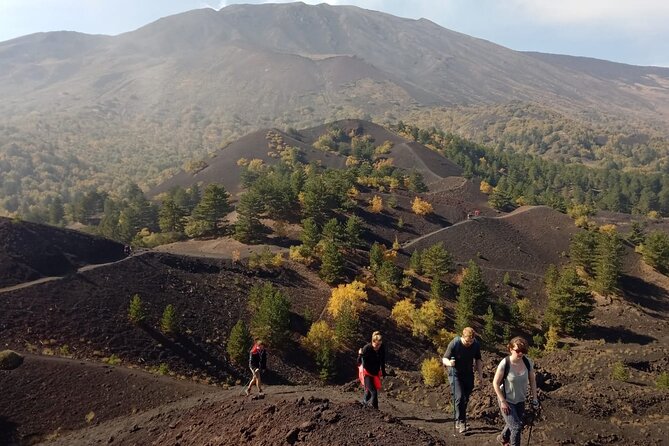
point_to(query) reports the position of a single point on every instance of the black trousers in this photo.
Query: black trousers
(371, 394)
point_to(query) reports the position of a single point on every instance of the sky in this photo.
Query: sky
(628, 31)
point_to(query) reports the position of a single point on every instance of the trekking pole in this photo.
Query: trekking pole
(455, 421)
(535, 414)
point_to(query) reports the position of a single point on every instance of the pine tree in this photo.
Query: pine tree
(582, 248)
(239, 342)
(570, 304)
(375, 257)
(332, 263)
(136, 311)
(56, 211)
(415, 262)
(608, 262)
(636, 235)
(436, 261)
(551, 277)
(489, 331)
(310, 234)
(437, 290)
(347, 324)
(169, 322)
(353, 231)
(655, 251)
(473, 289)
(388, 276)
(272, 320)
(333, 232)
(171, 217)
(248, 227)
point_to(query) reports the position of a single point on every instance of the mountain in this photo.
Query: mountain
(138, 105)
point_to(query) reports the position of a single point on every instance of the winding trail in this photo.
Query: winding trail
(79, 270)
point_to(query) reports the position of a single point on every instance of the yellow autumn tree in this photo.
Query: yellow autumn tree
(403, 313)
(609, 229)
(427, 319)
(376, 204)
(320, 335)
(353, 292)
(486, 188)
(421, 207)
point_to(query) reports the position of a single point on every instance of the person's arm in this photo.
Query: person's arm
(361, 356)
(446, 359)
(497, 387)
(533, 386)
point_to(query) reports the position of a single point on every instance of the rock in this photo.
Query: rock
(307, 426)
(9, 360)
(291, 437)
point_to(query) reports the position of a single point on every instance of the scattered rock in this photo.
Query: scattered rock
(9, 360)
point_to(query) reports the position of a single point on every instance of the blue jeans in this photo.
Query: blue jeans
(514, 423)
(371, 394)
(462, 386)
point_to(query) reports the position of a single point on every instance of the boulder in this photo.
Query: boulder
(9, 360)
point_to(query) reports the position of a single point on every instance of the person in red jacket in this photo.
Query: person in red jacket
(257, 364)
(372, 367)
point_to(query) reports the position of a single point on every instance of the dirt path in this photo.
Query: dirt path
(80, 270)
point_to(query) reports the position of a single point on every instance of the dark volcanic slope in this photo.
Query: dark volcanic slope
(522, 243)
(88, 312)
(49, 395)
(29, 251)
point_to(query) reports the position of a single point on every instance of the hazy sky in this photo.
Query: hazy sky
(630, 31)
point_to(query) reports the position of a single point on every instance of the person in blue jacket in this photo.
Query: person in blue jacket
(462, 355)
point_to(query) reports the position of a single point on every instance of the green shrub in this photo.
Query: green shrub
(169, 323)
(112, 360)
(136, 311)
(432, 372)
(663, 381)
(620, 372)
(239, 342)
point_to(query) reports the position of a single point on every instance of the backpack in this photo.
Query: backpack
(507, 366)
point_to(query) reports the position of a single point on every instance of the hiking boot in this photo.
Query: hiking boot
(462, 427)
(501, 440)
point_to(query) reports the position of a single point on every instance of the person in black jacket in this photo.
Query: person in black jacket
(257, 364)
(372, 359)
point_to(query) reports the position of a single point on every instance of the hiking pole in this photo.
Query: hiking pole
(455, 421)
(535, 414)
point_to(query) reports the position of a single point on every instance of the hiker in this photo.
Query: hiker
(461, 356)
(510, 384)
(257, 364)
(372, 367)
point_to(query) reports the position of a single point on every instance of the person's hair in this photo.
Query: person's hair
(376, 336)
(520, 343)
(468, 332)
(259, 342)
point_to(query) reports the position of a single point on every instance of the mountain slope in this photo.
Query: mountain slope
(137, 105)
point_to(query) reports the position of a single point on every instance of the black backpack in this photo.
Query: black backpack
(507, 366)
